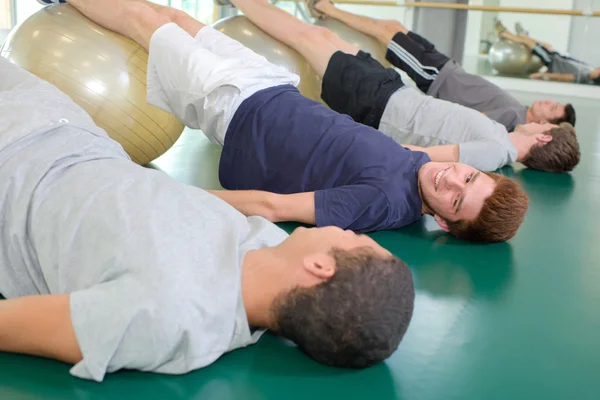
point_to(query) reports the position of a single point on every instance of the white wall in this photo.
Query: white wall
(25, 9)
(585, 32)
(380, 12)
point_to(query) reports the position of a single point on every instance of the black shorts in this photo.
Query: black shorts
(544, 54)
(416, 56)
(359, 86)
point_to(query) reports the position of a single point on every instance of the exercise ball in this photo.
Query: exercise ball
(101, 71)
(535, 65)
(364, 42)
(241, 29)
(510, 58)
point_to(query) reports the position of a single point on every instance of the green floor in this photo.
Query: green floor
(519, 320)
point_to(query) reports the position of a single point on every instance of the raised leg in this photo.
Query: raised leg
(536, 48)
(316, 44)
(181, 18)
(524, 40)
(382, 30)
(133, 19)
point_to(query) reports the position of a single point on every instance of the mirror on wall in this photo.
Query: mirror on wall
(559, 48)
(533, 46)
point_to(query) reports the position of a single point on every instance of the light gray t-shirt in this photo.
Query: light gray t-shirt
(153, 266)
(456, 85)
(563, 65)
(411, 117)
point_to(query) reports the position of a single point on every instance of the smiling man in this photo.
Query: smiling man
(288, 158)
(437, 75)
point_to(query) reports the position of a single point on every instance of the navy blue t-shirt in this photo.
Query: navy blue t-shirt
(282, 142)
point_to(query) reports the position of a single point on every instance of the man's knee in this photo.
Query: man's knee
(389, 29)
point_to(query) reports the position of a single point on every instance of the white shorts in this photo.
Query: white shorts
(203, 80)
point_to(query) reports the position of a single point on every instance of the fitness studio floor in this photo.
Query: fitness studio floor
(517, 320)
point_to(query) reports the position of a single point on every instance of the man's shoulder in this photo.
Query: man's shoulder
(509, 116)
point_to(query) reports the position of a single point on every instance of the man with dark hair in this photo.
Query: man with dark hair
(561, 68)
(109, 266)
(437, 75)
(357, 85)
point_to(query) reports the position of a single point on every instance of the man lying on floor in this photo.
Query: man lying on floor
(357, 85)
(443, 78)
(561, 67)
(109, 266)
(289, 158)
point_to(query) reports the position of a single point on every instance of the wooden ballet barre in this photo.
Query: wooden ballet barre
(356, 2)
(549, 11)
(497, 9)
(369, 3)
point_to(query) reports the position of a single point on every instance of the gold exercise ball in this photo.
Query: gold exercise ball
(535, 65)
(510, 58)
(241, 29)
(101, 71)
(364, 42)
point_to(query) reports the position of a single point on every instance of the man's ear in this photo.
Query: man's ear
(543, 138)
(320, 265)
(442, 223)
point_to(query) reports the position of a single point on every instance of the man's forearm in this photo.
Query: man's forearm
(554, 76)
(39, 326)
(413, 148)
(444, 153)
(250, 202)
(562, 77)
(275, 207)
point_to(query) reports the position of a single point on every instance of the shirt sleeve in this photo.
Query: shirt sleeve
(119, 325)
(359, 207)
(485, 155)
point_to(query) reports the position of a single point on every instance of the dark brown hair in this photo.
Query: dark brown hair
(355, 319)
(561, 154)
(501, 216)
(568, 117)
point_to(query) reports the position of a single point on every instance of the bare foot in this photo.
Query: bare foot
(499, 28)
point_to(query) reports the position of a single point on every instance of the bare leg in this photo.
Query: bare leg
(133, 19)
(530, 43)
(544, 44)
(316, 44)
(382, 30)
(181, 18)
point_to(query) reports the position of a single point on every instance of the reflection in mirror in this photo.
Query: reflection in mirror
(558, 48)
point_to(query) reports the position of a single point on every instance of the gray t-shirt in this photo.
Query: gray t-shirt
(562, 65)
(456, 85)
(411, 117)
(153, 266)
